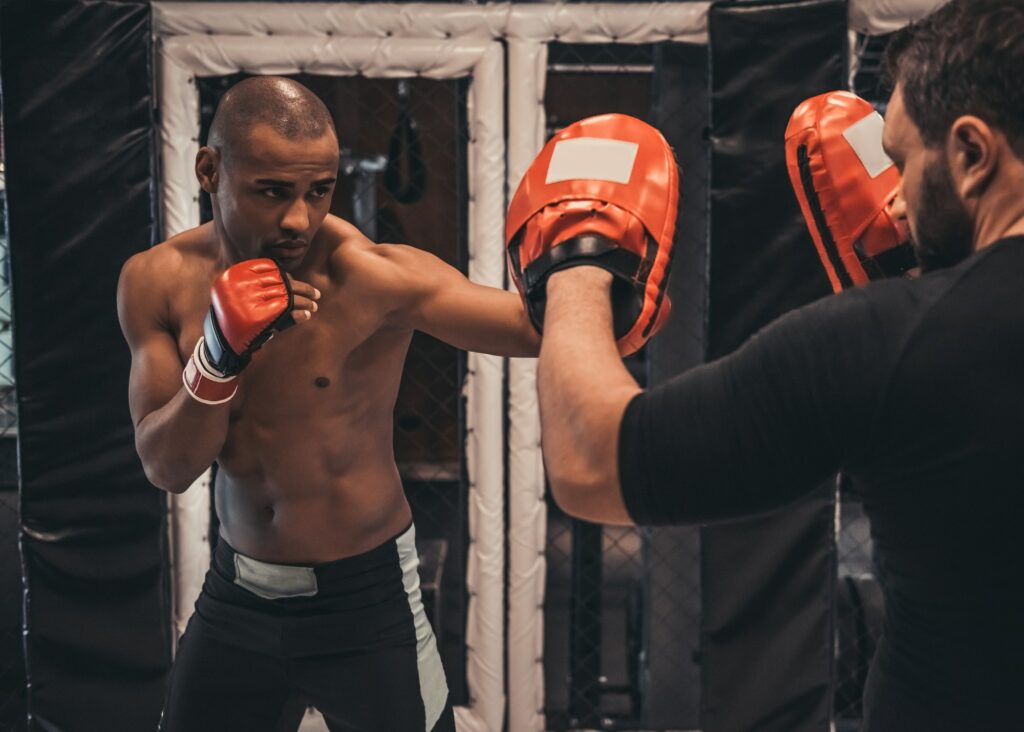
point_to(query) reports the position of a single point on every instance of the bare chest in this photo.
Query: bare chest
(339, 361)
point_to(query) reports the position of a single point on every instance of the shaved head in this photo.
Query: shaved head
(285, 106)
(270, 166)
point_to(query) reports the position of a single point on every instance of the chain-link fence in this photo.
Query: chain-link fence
(12, 663)
(622, 605)
(403, 180)
(858, 610)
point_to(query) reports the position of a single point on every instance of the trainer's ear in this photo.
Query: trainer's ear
(974, 149)
(208, 169)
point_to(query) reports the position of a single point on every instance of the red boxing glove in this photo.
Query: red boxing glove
(603, 192)
(249, 302)
(846, 185)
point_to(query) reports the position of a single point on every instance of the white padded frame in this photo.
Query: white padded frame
(527, 63)
(439, 41)
(181, 59)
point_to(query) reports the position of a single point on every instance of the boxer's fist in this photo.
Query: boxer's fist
(250, 301)
(846, 185)
(603, 192)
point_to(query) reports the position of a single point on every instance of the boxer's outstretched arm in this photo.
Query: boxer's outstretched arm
(176, 436)
(584, 389)
(434, 297)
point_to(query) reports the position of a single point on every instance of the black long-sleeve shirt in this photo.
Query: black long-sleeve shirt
(915, 389)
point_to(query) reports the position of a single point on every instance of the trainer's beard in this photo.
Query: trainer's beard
(944, 233)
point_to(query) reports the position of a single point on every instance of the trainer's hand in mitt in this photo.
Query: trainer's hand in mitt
(846, 186)
(603, 192)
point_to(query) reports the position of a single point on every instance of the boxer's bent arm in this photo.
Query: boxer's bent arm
(177, 437)
(584, 389)
(180, 439)
(436, 298)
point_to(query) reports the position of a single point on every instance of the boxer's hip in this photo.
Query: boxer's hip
(370, 600)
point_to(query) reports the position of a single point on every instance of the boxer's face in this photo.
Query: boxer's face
(941, 228)
(271, 196)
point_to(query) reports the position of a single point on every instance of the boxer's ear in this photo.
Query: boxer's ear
(208, 169)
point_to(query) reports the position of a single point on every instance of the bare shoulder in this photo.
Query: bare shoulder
(358, 263)
(164, 264)
(150, 278)
(398, 260)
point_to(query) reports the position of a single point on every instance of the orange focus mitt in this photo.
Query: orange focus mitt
(846, 186)
(603, 192)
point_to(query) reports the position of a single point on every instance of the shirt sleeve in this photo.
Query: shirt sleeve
(763, 426)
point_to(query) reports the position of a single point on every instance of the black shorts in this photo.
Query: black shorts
(349, 637)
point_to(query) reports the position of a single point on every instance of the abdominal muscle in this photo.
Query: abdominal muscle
(295, 499)
(307, 475)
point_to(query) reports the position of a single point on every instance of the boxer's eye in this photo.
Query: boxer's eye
(273, 192)
(321, 191)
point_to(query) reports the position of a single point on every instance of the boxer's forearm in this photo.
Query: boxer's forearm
(179, 441)
(584, 389)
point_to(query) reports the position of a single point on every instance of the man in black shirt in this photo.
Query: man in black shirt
(914, 388)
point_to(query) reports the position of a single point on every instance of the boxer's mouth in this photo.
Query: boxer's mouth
(289, 249)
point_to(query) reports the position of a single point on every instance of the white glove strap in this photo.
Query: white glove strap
(205, 383)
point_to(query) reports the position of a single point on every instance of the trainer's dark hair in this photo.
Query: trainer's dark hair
(286, 106)
(967, 57)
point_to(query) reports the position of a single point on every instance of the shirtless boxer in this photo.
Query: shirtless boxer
(312, 596)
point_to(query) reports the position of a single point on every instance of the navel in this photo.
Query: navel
(322, 382)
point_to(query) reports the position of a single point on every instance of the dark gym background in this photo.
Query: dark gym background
(632, 616)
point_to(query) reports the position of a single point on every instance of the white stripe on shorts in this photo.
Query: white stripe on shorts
(433, 685)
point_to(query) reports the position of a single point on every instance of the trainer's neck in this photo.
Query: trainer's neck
(1001, 213)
